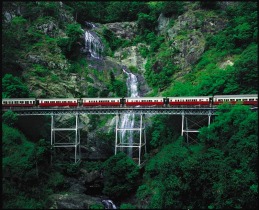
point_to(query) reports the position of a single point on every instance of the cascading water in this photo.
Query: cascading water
(93, 44)
(108, 204)
(129, 119)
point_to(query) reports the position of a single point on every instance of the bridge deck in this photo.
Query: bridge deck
(115, 110)
(112, 110)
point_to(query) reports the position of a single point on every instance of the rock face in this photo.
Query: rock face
(163, 23)
(130, 56)
(87, 182)
(188, 36)
(124, 30)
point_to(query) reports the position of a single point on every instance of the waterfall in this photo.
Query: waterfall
(108, 204)
(93, 45)
(129, 119)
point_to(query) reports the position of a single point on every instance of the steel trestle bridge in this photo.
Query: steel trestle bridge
(188, 126)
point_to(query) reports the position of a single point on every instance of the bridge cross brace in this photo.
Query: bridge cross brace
(138, 145)
(65, 137)
(187, 128)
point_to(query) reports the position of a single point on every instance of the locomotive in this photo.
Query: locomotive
(251, 99)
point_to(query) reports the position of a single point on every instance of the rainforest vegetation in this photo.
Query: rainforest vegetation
(218, 171)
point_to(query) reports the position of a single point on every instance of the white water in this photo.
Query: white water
(93, 44)
(129, 119)
(108, 204)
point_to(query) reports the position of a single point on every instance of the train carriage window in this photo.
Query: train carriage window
(250, 99)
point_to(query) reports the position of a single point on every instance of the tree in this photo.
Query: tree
(13, 87)
(9, 118)
(121, 175)
(244, 75)
(70, 45)
(234, 137)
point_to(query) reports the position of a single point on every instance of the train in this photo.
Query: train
(250, 99)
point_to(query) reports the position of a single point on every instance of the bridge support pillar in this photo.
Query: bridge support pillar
(191, 125)
(65, 141)
(134, 143)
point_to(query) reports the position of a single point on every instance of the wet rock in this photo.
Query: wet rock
(75, 185)
(124, 30)
(130, 56)
(73, 201)
(90, 176)
(163, 23)
(48, 28)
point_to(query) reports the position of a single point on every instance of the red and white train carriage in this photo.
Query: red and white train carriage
(52, 102)
(18, 102)
(101, 101)
(250, 99)
(190, 100)
(144, 101)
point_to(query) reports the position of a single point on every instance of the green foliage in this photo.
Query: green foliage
(117, 86)
(220, 172)
(113, 42)
(209, 5)
(72, 169)
(9, 118)
(92, 165)
(146, 23)
(173, 8)
(70, 45)
(244, 75)
(127, 206)
(133, 69)
(13, 87)
(124, 11)
(241, 30)
(96, 206)
(143, 50)
(92, 92)
(181, 89)
(121, 176)
(234, 134)
(107, 11)
(159, 71)
(56, 181)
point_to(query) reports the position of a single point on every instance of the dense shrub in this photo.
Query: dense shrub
(120, 176)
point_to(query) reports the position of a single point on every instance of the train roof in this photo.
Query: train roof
(11, 99)
(190, 97)
(57, 99)
(235, 96)
(101, 98)
(144, 97)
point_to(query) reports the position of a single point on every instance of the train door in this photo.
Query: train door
(166, 101)
(122, 102)
(211, 101)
